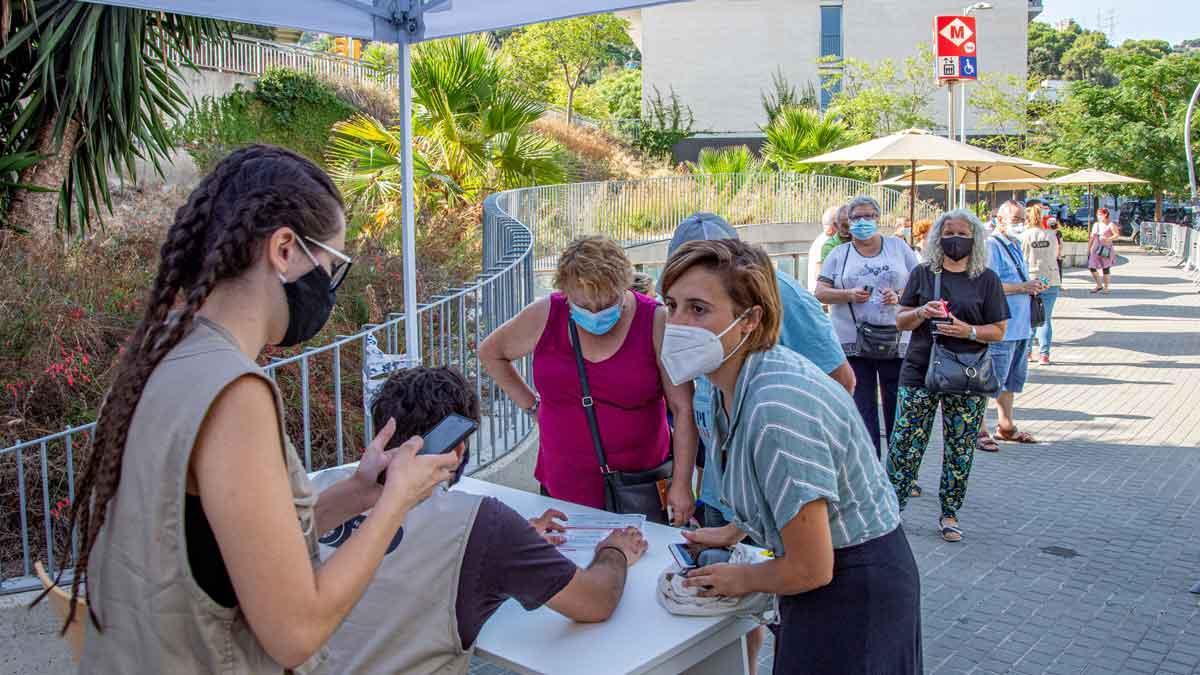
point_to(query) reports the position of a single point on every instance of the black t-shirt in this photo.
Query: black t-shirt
(979, 302)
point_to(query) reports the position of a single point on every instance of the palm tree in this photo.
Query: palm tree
(798, 133)
(472, 135)
(98, 86)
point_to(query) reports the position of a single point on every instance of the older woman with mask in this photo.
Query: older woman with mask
(974, 296)
(620, 335)
(861, 282)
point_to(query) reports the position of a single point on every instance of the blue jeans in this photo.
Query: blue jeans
(1045, 334)
(1008, 361)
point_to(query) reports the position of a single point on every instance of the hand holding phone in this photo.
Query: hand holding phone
(444, 437)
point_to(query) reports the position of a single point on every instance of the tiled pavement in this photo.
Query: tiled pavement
(1078, 552)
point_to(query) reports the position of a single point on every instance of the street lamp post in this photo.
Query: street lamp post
(962, 119)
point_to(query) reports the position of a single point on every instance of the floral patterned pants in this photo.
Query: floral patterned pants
(962, 417)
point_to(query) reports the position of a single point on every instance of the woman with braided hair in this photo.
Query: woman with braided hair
(197, 521)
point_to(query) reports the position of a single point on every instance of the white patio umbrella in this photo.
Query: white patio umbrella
(404, 22)
(1093, 177)
(912, 147)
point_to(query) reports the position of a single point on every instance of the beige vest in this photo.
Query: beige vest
(155, 617)
(406, 620)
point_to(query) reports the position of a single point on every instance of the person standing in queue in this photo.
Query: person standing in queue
(198, 524)
(977, 315)
(620, 333)
(861, 282)
(841, 237)
(829, 228)
(798, 471)
(1042, 251)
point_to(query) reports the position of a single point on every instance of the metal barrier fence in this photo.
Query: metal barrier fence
(329, 387)
(643, 211)
(248, 56)
(1180, 243)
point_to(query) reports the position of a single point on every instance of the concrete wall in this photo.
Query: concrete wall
(774, 238)
(719, 55)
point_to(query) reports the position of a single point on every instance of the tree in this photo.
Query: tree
(472, 135)
(97, 87)
(569, 49)
(1046, 47)
(622, 92)
(1135, 127)
(799, 133)
(883, 98)
(1085, 60)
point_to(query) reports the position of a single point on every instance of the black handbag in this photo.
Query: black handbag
(1037, 308)
(873, 340)
(968, 373)
(643, 492)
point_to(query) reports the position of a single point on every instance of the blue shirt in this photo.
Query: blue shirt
(805, 330)
(1019, 303)
(794, 438)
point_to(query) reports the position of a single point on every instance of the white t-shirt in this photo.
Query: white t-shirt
(887, 269)
(814, 255)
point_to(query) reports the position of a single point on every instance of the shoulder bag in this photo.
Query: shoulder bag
(873, 340)
(1037, 308)
(642, 492)
(1103, 251)
(967, 373)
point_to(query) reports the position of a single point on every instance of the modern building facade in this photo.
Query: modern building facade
(719, 56)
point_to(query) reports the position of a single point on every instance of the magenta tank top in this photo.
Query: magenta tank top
(630, 407)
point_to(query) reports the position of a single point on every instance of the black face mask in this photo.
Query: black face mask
(957, 248)
(310, 301)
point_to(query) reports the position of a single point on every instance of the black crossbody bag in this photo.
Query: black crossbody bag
(950, 372)
(873, 340)
(1037, 308)
(642, 492)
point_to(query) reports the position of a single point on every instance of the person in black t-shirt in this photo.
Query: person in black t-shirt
(977, 315)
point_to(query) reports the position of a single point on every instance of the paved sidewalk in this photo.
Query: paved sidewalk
(1078, 552)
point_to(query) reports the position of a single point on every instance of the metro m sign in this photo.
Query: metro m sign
(954, 36)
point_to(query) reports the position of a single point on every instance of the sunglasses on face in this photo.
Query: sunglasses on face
(341, 266)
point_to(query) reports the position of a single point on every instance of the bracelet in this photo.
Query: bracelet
(537, 403)
(614, 548)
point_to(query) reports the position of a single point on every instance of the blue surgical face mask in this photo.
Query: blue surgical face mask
(596, 323)
(863, 228)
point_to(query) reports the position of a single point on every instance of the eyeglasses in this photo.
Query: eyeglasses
(340, 269)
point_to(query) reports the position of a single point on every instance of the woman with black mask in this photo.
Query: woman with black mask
(956, 295)
(199, 551)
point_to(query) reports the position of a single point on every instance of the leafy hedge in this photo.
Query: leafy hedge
(289, 108)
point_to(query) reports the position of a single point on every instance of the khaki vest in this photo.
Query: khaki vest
(155, 617)
(406, 621)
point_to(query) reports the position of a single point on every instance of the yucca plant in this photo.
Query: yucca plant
(798, 133)
(99, 87)
(715, 161)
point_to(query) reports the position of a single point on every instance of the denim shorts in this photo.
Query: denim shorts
(1010, 364)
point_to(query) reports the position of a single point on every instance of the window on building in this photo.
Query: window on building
(829, 87)
(831, 31)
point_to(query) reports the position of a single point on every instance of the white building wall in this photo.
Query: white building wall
(719, 55)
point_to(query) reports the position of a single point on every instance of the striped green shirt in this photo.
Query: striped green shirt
(797, 437)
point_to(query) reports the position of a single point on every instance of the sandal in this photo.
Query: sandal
(950, 533)
(986, 443)
(1015, 436)
(915, 491)
(1097, 289)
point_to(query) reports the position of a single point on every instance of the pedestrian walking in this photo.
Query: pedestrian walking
(849, 593)
(1041, 248)
(1009, 356)
(861, 282)
(1102, 251)
(957, 279)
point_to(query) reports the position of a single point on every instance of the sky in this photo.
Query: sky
(1171, 20)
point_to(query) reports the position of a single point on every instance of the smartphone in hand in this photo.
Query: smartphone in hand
(443, 438)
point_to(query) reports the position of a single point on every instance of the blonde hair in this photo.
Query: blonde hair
(748, 276)
(643, 283)
(1033, 216)
(595, 266)
(921, 228)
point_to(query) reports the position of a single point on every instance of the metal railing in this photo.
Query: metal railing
(249, 56)
(644, 211)
(1179, 243)
(329, 386)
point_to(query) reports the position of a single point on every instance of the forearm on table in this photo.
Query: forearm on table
(603, 584)
(340, 502)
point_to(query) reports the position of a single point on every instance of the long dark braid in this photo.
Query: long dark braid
(216, 235)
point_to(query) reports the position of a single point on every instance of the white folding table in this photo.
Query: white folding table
(641, 636)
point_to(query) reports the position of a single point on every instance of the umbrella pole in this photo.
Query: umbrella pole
(912, 195)
(977, 193)
(412, 330)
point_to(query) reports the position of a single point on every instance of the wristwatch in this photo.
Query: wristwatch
(972, 335)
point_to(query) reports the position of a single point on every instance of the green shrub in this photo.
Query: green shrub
(1075, 234)
(288, 108)
(664, 124)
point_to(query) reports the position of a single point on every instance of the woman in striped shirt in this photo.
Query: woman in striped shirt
(798, 469)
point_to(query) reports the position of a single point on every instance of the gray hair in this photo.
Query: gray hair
(1011, 206)
(864, 200)
(829, 218)
(978, 260)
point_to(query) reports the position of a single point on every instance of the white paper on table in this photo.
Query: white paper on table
(586, 530)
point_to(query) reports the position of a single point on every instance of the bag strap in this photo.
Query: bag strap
(1016, 264)
(842, 281)
(937, 295)
(589, 405)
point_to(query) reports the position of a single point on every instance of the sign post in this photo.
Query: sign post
(956, 59)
